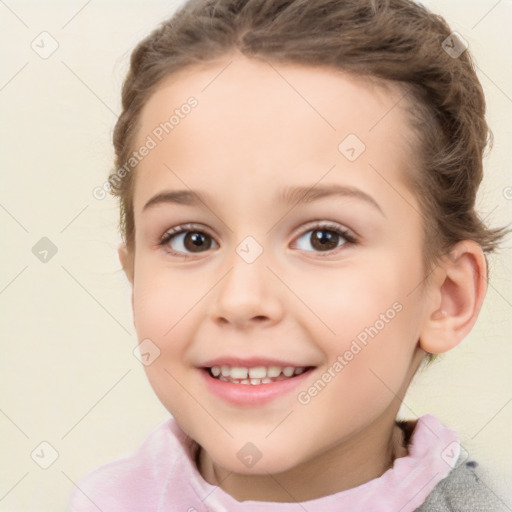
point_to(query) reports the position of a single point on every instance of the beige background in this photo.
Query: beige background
(68, 374)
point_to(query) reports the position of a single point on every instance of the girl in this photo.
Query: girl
(297, 183)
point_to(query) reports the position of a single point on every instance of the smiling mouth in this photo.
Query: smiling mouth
(255, 375)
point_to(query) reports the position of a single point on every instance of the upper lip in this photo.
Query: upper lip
(250, 362)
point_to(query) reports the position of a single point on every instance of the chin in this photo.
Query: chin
(249, 460)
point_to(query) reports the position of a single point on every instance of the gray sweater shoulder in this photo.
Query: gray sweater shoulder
(463, 490)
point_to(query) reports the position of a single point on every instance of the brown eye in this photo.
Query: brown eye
(195, 241)
(183, 241)
(324, 238)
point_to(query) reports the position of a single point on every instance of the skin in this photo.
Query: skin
(251, 135)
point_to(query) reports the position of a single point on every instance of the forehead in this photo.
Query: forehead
(257, 120)
(332, 96)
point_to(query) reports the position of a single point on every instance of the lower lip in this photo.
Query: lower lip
(252, 394)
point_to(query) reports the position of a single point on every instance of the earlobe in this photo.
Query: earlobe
(458, 294)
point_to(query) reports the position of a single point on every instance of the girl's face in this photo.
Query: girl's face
(301, 248)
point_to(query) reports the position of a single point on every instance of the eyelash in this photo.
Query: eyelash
(318, 226)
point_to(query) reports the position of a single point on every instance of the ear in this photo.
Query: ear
(126, 259)
(127, 262)
(459, 284)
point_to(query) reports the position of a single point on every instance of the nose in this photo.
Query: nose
(248, 294)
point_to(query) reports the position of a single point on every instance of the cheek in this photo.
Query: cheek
(160, 318)
(161, 300)
(345, 302)
(368, 318)
(160, 307)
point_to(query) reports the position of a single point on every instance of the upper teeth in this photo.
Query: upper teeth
(257, 372)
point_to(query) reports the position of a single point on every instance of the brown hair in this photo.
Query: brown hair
(394, 41)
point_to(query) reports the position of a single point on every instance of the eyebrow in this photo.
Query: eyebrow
(290, 195)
